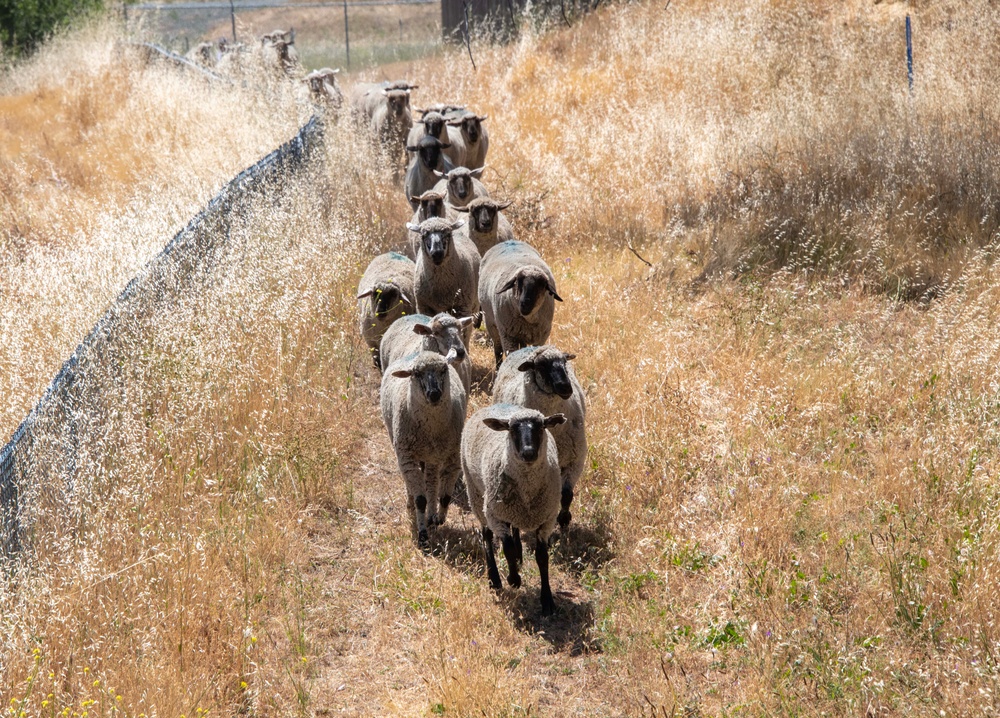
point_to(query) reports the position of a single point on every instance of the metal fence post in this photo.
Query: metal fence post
(909, 53)
(232, 18)
(347, 36)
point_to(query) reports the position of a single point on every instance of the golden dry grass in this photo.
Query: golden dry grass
(791, 507)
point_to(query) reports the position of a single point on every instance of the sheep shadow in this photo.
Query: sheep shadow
(569, 630)
(580, 549)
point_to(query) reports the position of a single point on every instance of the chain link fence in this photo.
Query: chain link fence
(354, 34)
(38, 466)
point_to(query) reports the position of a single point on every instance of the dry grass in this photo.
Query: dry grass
(791, 507)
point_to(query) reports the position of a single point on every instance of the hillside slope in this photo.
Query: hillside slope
(791, 504)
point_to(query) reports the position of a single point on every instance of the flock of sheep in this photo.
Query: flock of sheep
(274, 54)
(522, 456)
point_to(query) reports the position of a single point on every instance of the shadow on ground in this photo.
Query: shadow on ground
(582, 548)
(569, 629)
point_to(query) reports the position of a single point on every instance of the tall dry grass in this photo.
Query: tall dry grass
(790, 507)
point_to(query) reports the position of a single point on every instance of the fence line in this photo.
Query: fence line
(263, 5)
(41, 457)
(157, 51)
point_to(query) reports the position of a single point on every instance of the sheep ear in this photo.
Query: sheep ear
(504, 205)
(570, 357)
(526, 366)
(412, 149)
(366, 294)
(405, 373)
(461, 209)
(554, 420)
(413, 227)
(477, 172)
(552, 291)
(508, 285)
(385, 91)
(420, 110)
(444, 145)
(422, 329)
(457, 224)
(465, 321)
(498, 424)
(405, 298)
(442, 175)
(453, 123)
(452, 356)
(482, 118)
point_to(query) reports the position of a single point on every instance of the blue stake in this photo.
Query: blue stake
(909, 53)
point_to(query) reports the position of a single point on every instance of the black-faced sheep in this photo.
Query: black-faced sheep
(517, 292)
(511, 471)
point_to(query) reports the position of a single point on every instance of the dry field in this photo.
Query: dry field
(794, 414)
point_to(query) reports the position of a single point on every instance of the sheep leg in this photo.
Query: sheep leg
(421, 503)
(567, 498)
(517, 539)
(449, 477)
(491, 560)
(413, 476)
(431, 483)
(377, 358)
(510, 553)
(542, 559)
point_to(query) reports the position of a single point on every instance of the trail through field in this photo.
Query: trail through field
(381, 644)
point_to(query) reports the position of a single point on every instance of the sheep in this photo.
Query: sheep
(204, 54)
(469, 139)
(384, 108)
(540, 378)
(421, 175)
(431, 204)
(279, 53)
(385, 293)
(423, 406)
(441, 333)
(486, 226)
(324, 89)
(447, 272)
(518, 293)
(461, 185)
(432, 124)
(511, 471)
(234, 58)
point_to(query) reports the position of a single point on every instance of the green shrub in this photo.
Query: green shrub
(26, 23)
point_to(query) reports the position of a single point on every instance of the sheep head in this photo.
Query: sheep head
(460, 182)
(433, 124)
(444, 332)
(526, 431)
(483, 213)
(385, 296)
(529, 285)
(471, 126)
(431, 205)
(429, 151)
(428, 374)
(435, 237)
(548, 370)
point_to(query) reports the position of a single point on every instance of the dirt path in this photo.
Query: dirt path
(384, 623)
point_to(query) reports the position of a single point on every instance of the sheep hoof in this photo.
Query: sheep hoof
(514, 580)
(564, 518)
(548, 606)
(496, 585)
(422, 539)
